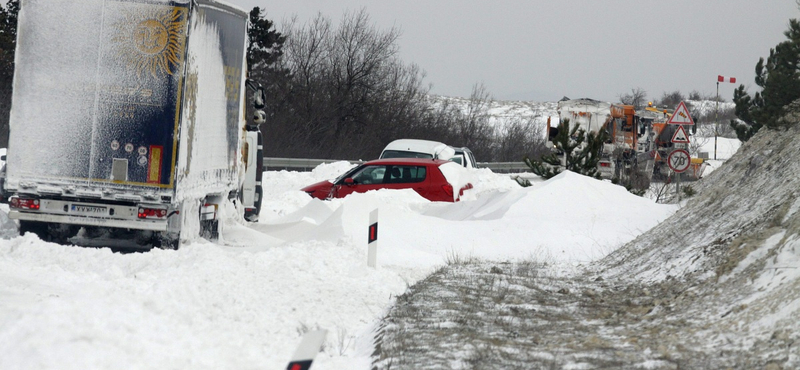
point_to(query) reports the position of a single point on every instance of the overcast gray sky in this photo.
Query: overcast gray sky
(544, 49)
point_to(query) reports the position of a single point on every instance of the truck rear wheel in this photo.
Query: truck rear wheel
(165, 240)
(49, 232)
(209, 229)
(38, 228)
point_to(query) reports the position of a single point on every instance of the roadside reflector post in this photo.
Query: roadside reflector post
(372, 240)
(307, 350)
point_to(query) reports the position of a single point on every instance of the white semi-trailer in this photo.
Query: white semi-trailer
(127, 124)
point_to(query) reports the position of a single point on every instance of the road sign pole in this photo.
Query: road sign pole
(305, 353)
(716, 123)
(372, 240)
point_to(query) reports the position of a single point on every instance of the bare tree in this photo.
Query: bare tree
(636, 98)
(519, 138)
(349, 93)
(671, 99)
(473, 128)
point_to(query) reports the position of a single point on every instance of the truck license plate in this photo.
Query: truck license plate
(86, 210)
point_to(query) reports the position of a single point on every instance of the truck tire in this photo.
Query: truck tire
(49, 232)
(251, 215)
(61, 233)
(164, 240)
(209, 229)
(38, 228)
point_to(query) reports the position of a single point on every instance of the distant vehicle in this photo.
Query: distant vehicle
(434, 179)
(413, 148)
(464, 157)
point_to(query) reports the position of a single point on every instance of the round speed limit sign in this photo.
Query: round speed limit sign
(679, 160)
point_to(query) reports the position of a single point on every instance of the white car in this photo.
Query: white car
(464, 157)
(413, 148)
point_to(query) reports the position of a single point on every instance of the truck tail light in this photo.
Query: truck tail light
(145, 212)
(605, 164)
(24, 203)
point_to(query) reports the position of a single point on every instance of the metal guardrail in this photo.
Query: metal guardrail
(305, 164)
(505, 167)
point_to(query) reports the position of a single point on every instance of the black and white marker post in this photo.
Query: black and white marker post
(307, 350)
(372, 240)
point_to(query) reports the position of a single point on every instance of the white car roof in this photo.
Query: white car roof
(433, 148)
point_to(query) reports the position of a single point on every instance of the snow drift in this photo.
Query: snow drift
(246, 304)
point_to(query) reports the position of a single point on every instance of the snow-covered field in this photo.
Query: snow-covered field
(245, 302)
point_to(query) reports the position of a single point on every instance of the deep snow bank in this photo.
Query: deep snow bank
(567, 218)
(734, 249)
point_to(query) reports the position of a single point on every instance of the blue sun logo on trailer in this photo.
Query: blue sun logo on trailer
(139, 93)
(154, 46)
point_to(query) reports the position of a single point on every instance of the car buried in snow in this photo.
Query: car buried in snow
(434, 179)
(464, 157)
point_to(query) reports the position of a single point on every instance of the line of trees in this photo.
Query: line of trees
(343, 92)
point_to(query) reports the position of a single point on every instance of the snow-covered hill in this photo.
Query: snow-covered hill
(502, 112)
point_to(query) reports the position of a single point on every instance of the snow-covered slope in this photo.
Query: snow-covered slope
(733, 250)
(501, 113)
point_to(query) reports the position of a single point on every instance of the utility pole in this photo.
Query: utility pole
(716, 121)
(720, 78)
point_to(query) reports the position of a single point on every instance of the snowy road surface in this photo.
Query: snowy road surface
(245, 302)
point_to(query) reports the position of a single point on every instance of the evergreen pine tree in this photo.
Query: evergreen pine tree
(264, 42)
(8, 41)
(779, 79)
(570, 154)
(264, 50)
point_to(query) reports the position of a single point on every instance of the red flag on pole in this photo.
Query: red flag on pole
(721, 78)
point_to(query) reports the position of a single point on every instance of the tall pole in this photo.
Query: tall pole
(716, 123)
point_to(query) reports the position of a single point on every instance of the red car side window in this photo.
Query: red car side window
(405, 174)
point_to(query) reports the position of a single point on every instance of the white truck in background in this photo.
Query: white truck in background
(127, 125)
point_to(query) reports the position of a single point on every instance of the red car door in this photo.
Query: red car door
(368, 178)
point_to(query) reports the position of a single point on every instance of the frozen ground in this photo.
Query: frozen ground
(244, 303)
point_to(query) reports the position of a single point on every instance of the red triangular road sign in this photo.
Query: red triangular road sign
(681, 116)
(680, 136)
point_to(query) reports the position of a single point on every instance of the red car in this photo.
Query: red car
(433, 179)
